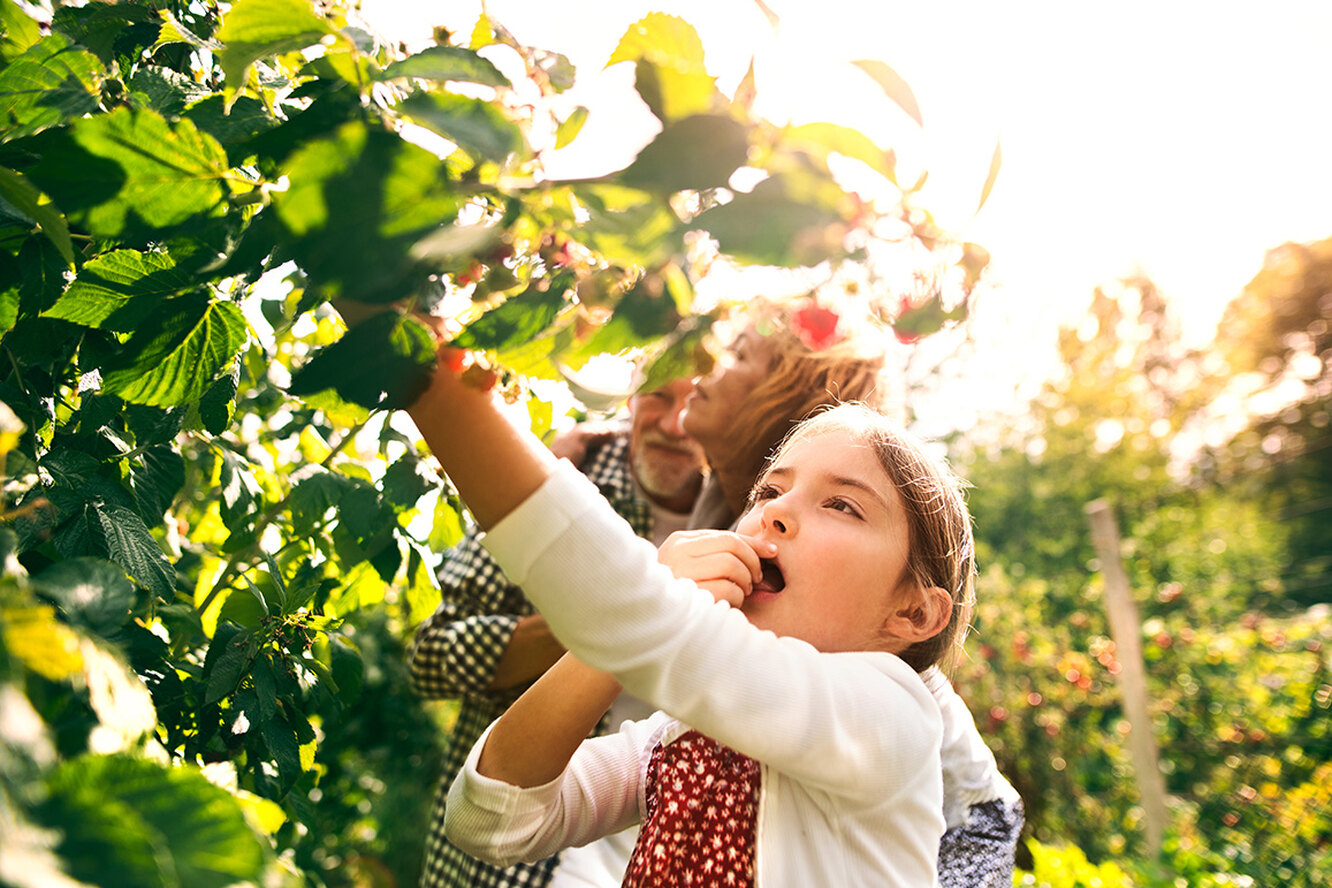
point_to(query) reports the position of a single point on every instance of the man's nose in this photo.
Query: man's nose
(672, 421)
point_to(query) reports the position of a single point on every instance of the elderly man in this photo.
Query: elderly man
(484, 644)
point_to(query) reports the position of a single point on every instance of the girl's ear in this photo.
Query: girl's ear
(922, 614)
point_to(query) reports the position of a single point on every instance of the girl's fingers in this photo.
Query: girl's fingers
(722, 590)
(701, 543)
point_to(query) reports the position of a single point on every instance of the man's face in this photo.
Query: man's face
(667, 464)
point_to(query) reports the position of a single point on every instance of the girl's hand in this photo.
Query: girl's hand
(720, 561)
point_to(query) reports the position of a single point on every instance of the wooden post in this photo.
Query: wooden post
(1126, 630)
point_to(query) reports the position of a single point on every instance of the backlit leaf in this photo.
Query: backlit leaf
(519, 318)
(672, 77)
(570, 127)
(785, 220)
(174, 357)
(893, 86)
(384, 362)
(443, 63)
(257, 29)
(191, 832)
(52, 82)
(20, 194)
(476, 126)
(823, 138)
(697, 152)
(131, 164)
(18, 30)
(117, 290)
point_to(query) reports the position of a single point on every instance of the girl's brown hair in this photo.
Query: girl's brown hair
(800, 381)
(940, 550)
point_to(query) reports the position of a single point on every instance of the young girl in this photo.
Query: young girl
(807, 754)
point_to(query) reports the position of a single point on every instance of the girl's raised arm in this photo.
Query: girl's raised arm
(494, 465)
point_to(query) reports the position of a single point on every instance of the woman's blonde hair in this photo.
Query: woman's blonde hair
(940, 547)
(800, 381)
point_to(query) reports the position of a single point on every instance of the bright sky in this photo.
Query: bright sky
(1183, 139)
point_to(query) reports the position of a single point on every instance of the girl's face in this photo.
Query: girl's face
(841, 534)
(710, 413)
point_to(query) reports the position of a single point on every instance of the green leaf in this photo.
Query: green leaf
(348, 669)
(156, 477)
(92, 593)
(283, 746)
(18, 31)
(131, 545)
(131, 164)
(444, 63)
(371, 189)
(996, 161)
(406, 481)
(824, 138)
(217, 406)
(697, 152)
(893, 86)
(476, 126)
(384, 362)
(174, 358)
(52, 82)
(225, 670)
(19, 193)
(627, 226)
(570, 127)
(672, 76)
(257, 29)
(100, 26)
(786, 220)
(127, 821)
(317, 491)
(117, 290)
(519, 318)
(681, 355)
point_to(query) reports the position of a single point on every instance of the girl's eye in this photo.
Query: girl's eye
(842, 505)
(763, 492)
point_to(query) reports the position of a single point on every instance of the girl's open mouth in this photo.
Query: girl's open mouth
(772, 580)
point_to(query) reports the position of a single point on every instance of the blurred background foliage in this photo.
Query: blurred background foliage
(208, 581)
(1215, 461)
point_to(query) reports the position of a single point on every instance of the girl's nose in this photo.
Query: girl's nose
(778, 517)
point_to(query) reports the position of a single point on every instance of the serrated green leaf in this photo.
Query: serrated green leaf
(174, 358)
(476, 126)
(893, 86)
(52, 82)
(230, 665)
(406, 481)
(91, 592)
(681, 355)
(671, 74)
(130, 821)
(19, 193)
(173, 31)
(348, 669)
(131, 545)
(312, 496)
(164, 90)
(444, 63)
(370, 188)
(257, 29)
(98, 26)
(384, 362)
(448, 526)
(132, 165)
(519, 318)
(117, 290)
(280, 739)
(156, 477)
(697, 152)
(570, 127)
(217, 406)
(627, 226)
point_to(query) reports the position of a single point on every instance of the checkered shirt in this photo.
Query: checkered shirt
(457, 650)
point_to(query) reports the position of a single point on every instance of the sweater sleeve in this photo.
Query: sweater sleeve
(859, 725)
(599, 793)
